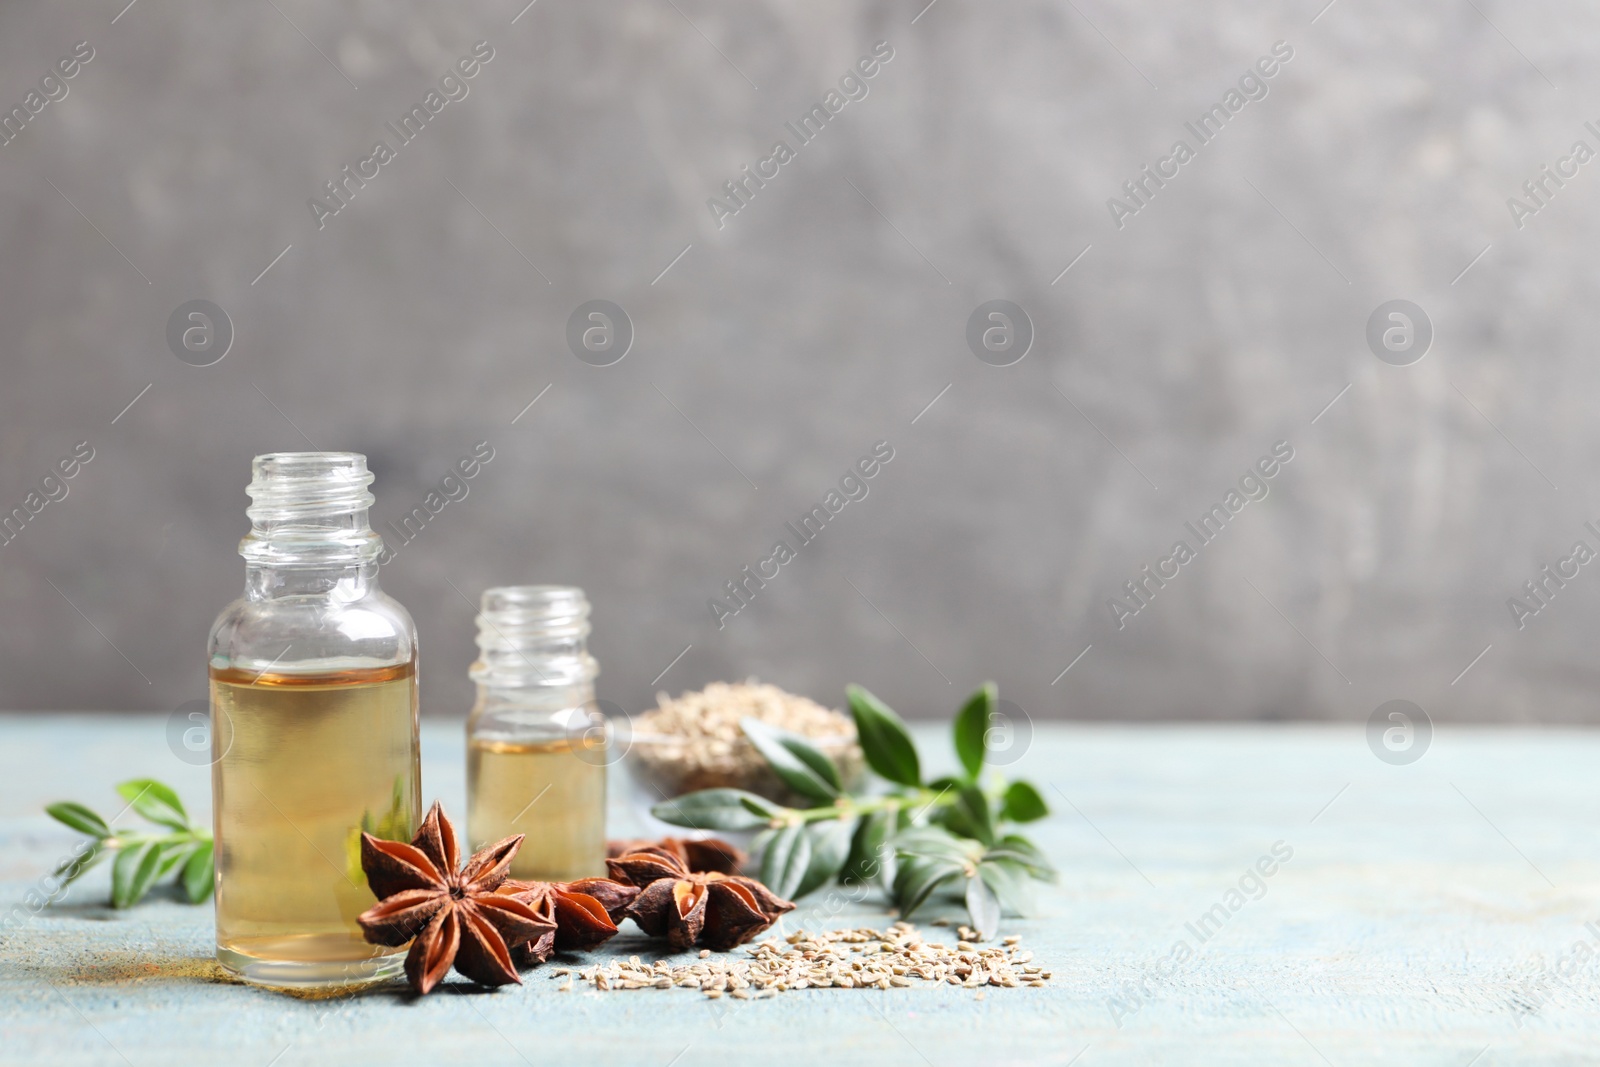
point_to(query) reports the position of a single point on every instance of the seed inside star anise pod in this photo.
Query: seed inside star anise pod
(450, 913)
(688, 907)
(584, 914)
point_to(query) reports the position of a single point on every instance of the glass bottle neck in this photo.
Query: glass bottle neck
(533, 665)
(534, 672)
(340, 582)
(533, 637)
(308, 511)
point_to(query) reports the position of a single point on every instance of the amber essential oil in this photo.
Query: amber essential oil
(554, 791)
(305, 763)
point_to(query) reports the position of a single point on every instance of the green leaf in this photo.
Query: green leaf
(918, 877)
(1022, 803)
(1009, 880)
(969, 816)
(173, 855)
(971, 729)
(784, 863)
(155, 802)
(803, 748)
(198, 877)
(983, 906)
(133, 873)
(73, 867)
(717, 809)
(870, 858)
(885, 741)
(935, 842)
(763, 807)
(794, 759)
(830, 843)
(79, 818)
(1019, 849)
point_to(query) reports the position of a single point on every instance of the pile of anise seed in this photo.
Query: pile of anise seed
(845, 959)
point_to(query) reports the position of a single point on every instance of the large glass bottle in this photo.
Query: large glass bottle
(537, 745)
(314, 712)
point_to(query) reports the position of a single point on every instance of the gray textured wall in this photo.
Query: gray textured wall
(825, 315)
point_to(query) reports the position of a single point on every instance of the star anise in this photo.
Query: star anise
(707, 854)
(583, 914)
(688, 907)
(450, 913)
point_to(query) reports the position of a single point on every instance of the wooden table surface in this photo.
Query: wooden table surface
(1434, 913)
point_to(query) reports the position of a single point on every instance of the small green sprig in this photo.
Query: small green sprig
(914, 838)
(142, 858)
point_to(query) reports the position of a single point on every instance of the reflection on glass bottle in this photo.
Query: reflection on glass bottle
(396, 824)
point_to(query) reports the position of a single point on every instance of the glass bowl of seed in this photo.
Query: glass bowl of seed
(695, 741)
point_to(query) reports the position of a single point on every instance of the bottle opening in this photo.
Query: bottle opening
(289, 486)
(310, 507)
(535, 606)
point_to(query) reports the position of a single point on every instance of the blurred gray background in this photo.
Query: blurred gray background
(772, 352)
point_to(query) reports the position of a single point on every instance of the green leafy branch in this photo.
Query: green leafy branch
(913, 837)
(142, 858)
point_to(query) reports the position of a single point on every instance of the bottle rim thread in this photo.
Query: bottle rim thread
(533, 635)
(310, 508)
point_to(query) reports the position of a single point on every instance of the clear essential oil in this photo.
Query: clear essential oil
(553, 791)
(305, 762)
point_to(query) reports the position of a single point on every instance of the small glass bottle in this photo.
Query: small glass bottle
(314, 712)
(536, 743)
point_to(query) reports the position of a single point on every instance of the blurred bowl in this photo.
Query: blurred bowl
(668, 766)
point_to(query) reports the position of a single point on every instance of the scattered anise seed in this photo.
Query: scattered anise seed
(896, 958)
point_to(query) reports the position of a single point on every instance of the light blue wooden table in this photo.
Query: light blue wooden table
(1436, 913)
